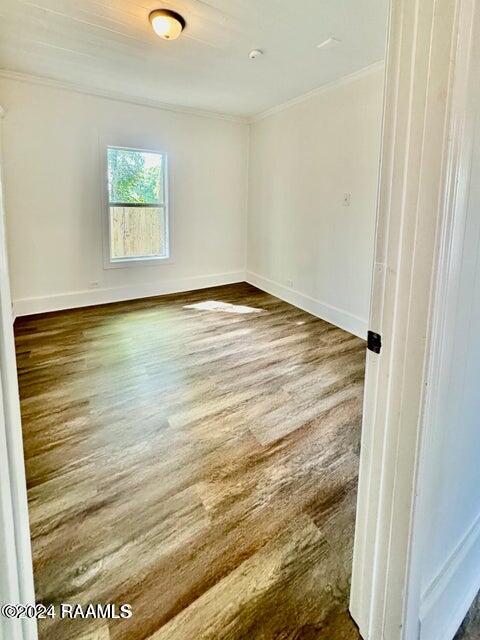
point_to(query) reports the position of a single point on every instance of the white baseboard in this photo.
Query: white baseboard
(57, 302)
(338, 317)
(450, 595)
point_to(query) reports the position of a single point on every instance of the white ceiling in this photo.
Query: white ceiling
(109, 45)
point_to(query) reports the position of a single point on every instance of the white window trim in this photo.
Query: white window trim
(125, 263)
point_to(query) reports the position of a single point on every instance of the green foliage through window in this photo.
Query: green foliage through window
(135, 177)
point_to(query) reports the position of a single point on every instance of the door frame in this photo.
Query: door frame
(424, 161)
(16, 582)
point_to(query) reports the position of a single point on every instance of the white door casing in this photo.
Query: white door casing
(427, 62)
(16, 584)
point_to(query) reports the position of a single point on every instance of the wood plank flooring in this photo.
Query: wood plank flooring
(470, 629)
(195, 456)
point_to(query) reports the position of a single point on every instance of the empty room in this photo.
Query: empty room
(189, 231)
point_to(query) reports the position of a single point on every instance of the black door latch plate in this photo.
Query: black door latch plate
(374, 342)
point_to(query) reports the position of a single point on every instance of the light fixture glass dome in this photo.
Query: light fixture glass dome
(167, 24)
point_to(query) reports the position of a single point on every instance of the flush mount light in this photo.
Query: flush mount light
(167, 24)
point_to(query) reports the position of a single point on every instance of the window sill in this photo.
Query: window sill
(136, 262)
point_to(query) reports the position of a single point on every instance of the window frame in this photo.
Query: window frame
(122, 263)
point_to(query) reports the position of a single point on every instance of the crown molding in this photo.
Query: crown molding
(118, 96)
(329, 86)
(164, 106)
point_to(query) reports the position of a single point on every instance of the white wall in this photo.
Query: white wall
(53, 176)
(451, 505)
(303, 244)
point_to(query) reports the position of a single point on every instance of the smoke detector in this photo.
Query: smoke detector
(255, 53)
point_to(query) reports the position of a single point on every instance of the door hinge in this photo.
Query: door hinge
(374, 342)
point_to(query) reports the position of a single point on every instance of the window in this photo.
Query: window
(137, 206)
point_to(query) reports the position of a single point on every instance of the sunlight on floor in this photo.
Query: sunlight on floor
(224, 307)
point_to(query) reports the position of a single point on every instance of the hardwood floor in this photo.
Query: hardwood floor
(470, 629)
(196, 457)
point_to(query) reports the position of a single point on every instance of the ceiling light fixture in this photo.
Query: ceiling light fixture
(167, 24)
